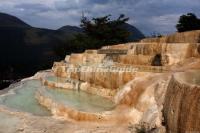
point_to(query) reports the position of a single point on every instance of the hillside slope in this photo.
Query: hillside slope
(9, 20)
(135, 35)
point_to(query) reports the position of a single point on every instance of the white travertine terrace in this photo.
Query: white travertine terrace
(153, 82)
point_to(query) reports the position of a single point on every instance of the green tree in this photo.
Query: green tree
(188, 22)
(104, 31)
(97, 32)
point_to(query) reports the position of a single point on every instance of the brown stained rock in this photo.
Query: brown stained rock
(111, 80)
(182, 107)
(184, 37)
(135, 59)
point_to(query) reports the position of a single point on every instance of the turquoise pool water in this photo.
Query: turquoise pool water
(24, 99)
(79, 100)
(56, 79)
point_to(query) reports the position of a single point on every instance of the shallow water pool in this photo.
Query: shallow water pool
(24, 100)
(80, 100)
(56, 79)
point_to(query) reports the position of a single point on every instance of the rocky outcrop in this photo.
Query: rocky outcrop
(182, 105)
(169, 53)
(146, 94)
(189, 37)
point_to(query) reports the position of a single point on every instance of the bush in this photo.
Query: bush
(188, 22)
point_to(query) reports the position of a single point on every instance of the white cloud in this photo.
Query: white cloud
(149, 15)
(168, 19)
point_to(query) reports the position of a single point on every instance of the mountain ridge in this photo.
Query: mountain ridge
(10, 20)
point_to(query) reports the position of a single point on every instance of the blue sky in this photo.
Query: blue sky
(148, 15)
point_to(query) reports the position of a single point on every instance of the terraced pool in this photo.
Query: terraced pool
(23, 98)
(79, 100)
